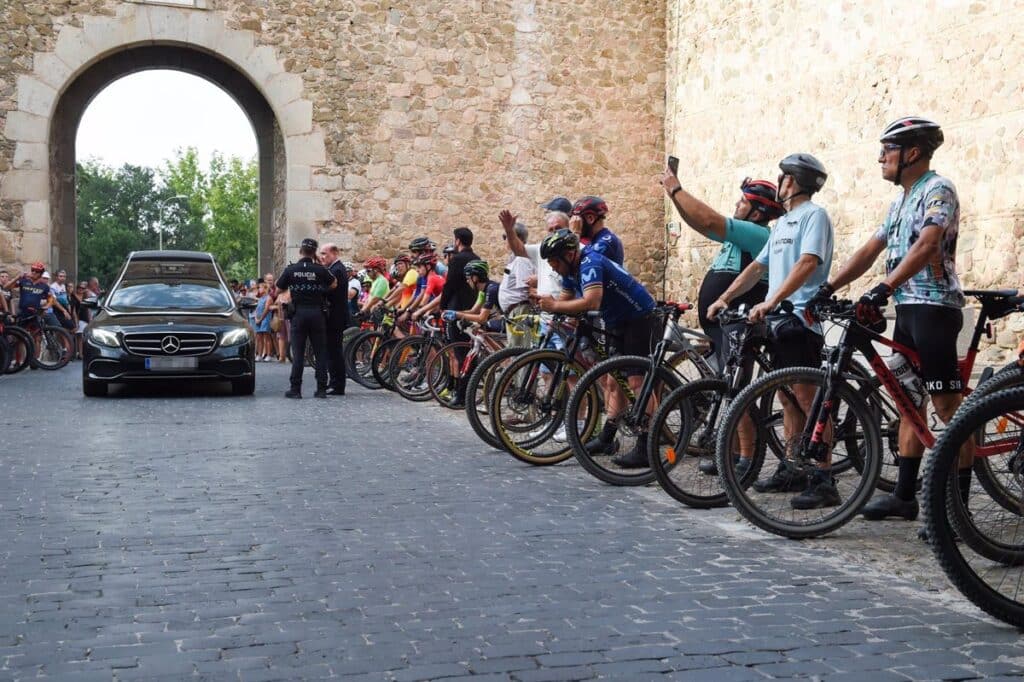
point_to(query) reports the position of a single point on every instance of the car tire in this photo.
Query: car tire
(244, 386)
(94, 389)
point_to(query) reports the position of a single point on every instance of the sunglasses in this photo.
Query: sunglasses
(886, 148)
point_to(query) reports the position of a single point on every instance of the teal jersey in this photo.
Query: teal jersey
(932, 203)
(741, 237)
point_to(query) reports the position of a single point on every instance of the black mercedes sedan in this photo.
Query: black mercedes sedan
(169, 316)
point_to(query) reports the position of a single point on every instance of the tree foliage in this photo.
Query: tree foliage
(215, 209)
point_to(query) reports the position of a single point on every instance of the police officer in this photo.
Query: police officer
(337, 318)
(309, 282)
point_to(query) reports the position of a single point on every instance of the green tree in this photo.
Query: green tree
(185, 220)
(233, 220)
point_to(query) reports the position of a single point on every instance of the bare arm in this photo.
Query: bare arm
(799, 274)
(515, 244)
(744, 282)
(692, 210)
(859, 263)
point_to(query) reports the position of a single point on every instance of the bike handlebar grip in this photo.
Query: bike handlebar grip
(786, 306)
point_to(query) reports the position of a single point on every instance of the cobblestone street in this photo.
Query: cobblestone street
(163, 533)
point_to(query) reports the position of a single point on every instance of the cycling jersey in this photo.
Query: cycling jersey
(32, 294)
(488, 298)
(408, 287)
(806, 229)
(742, 238)
(931, 202)
(380, 287)
(623, 299)
(606, 243)
(432, 284)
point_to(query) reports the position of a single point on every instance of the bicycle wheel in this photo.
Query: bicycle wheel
(688, 422)
(987, 564)
(380, 363)
(631, 432)
(528, 407)
(54, 347)
(358, 358)
(480, 389)
(5, 354)
(855, 436)
(23, 349)
(444, 372)
(998, 474)
(408, 367)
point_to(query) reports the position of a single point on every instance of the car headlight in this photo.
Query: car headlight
(235, 337)
(104, 337)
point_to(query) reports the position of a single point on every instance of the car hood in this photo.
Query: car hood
(161, 321)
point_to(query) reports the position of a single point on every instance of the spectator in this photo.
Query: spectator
(80, 313)
(264, 342)
(281, 335)
(514, 292)
(95, 292)
(6, 305)
(62, 307)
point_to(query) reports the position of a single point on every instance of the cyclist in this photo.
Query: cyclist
(798, 257)
(423, 246)
(428, 286)
(376, 269)
(33, 291)
(742, 237)
(592, 281)
(486, 308)
(919, 234)
(587, 221)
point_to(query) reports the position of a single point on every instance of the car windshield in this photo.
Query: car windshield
(166, 285)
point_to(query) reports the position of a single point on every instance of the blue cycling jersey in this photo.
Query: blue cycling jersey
(606, 243)
(623, 298)
(32, 295)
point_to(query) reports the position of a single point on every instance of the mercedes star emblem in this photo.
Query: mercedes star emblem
(170, 345)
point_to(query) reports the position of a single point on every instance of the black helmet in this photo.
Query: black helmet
(477, 267)
(806, 170)
(449, 250)
(557, 243)
(914, 131)
(419, 244)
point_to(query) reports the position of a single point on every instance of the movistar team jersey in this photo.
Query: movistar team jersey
(32, 295)
(488, 298)
(931, 202)
(741, 237)
(607, 244)
(623, 298)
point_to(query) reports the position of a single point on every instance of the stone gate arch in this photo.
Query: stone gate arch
(51, 100)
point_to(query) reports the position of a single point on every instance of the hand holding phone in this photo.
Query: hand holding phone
(673, 165)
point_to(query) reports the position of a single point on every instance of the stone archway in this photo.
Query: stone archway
(51, 100)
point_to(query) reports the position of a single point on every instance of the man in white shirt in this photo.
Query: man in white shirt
(520, 276)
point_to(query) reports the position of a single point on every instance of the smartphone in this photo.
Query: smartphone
(673, 165)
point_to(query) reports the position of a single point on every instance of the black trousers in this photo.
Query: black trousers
(335, 352)
(309, 324)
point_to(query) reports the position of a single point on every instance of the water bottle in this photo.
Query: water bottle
(905, 374)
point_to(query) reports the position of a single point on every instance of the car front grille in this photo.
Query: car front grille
(163, 343)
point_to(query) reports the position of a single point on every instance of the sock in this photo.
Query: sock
(963, 479)
(906, 481)
(608, 432)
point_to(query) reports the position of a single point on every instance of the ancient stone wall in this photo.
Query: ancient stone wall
(433, 114)
(749, 82)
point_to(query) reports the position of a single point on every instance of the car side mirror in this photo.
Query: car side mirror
(247, 303)
(91, 303)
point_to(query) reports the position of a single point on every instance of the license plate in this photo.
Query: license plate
(163, 364)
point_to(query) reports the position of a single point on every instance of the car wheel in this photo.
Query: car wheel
(244, 386)
(94, 389)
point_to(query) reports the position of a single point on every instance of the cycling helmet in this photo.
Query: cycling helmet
(376, 263)
(912, 131)
(419, 244)
(590, 204)
(806, 170)
(762, 196)
(449, 250)
(427, 259)
(477, 267)
(402, 258)
(38, 265)
(557, 243)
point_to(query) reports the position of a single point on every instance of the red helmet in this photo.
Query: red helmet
(428, 259)
(402, 258)
(590, 204)
(762, 195)
(376, 263)
(39, 265)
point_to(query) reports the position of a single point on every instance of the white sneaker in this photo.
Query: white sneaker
(559, 435)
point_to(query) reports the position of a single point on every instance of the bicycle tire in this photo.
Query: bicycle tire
(479, 391)
(410, 353)
(596, 465)
(673, 462)
(943, 507)
(23, 349)
(756, 400)
(380, 363)
(992, 472)
(358, 356)
(53, 340)
(528, 424)
(5, 354)
(442, 377)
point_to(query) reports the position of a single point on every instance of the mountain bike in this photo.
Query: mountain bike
(659, 378)
(359, 352)
(54, 345)
(21, 346)
(407, 365)
(445, 363)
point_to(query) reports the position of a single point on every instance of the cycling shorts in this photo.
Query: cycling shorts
(636, 337)
(714, 285)
(792, 344)
(931, 331)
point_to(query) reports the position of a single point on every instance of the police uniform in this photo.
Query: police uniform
(308, 283)
(337, 320)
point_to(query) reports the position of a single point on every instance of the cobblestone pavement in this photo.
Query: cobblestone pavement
(171, 533)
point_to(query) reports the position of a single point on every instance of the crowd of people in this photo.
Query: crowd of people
(37, 293)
